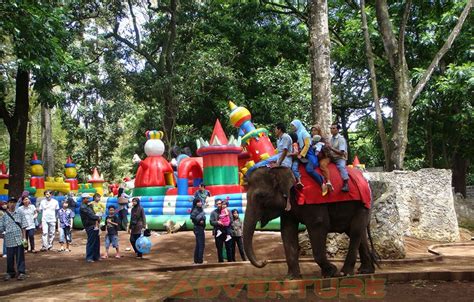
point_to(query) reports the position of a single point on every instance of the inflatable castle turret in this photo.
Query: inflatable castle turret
(256, 141)
(71, 173)
(3, 179)
(37, 175)
(97, 182)
(220, 161)
(154, 174)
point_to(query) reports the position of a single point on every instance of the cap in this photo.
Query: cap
(85, 195)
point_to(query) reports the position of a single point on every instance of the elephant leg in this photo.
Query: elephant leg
(317, 234)
(289, 235)
(355, 233)
(366, 263)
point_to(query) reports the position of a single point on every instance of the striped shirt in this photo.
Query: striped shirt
(13, 233)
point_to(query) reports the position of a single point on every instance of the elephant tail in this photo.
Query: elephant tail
(373, 253)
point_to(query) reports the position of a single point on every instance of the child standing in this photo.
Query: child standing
(66, 216)
(237, 234)
(224, 219)
(111, 237)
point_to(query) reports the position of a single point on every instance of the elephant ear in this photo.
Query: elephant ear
(284, 180)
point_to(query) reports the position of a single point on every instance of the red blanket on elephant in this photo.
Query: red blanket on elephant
(358, 188)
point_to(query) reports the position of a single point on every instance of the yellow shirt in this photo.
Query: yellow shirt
(98, 207)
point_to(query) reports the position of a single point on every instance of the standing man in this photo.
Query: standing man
(49, 215)
(13, 223)
(220, 240)
(339, 154)
(89, 220)
(284, 147)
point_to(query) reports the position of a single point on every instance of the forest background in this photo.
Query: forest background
(86, 79)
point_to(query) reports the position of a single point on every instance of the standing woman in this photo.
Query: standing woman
(30, 213)
(304, 142)
(198, 217)
(137, 224)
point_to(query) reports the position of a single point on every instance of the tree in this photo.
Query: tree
(404, 93)
(158, 52)
(35, 34)
(315, 15)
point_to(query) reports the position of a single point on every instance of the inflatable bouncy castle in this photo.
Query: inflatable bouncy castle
(220, 164)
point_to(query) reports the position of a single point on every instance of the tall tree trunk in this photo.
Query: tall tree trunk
(320, 64)
(47, 146)
(17, 126)
(373, 84)
(460, 166)
(170, 102)
(404, 93)
(401, 112)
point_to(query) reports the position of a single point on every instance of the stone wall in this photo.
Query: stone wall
(424, 200)
(405, 203)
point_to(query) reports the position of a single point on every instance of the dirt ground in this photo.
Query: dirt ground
(168, 249)
(176, 250)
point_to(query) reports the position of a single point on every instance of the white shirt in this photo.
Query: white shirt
(48, 209)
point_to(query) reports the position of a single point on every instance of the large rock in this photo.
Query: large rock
(424, 201)
(405, 203)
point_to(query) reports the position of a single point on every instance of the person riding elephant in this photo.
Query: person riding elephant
(307, 153)
(265, 202)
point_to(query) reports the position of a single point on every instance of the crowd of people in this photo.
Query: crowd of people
(19, 223)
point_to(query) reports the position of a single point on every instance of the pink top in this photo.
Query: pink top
(224, 217)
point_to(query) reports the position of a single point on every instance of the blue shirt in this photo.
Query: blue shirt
(65, 216)
(285, 142)
(338, 142)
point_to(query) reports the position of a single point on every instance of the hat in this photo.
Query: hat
(85, 195)
(12, 199)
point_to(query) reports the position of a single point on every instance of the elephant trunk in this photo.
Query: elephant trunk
(249, 228)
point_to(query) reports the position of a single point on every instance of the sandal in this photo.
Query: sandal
(105, 257)
(324, 189)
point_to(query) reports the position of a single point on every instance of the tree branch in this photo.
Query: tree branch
(134, 20)
(403, 25)
(132, 46)
(383, 20)
(287, 9)
(447, 45)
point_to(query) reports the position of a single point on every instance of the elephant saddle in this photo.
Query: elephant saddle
(311, 193)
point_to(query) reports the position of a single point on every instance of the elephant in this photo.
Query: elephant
(267, 194)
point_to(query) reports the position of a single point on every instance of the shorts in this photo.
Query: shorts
(65, 235)
(111, 239)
